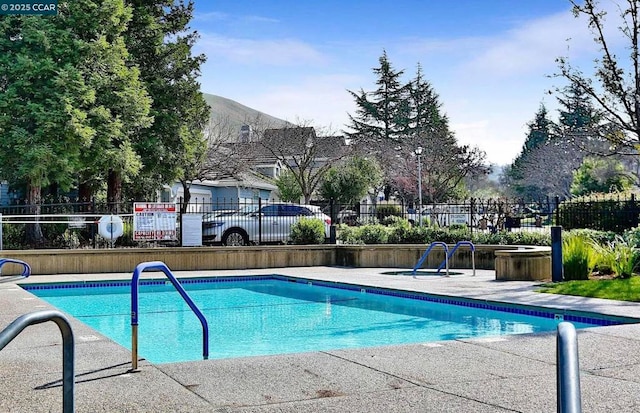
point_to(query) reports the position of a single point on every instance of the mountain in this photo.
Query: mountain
(239, 114)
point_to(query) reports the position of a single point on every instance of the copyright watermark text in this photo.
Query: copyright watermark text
(29, 7)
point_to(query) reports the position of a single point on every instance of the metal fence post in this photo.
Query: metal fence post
(259, 221)
(332, 227)
(471, 215)
(557, 269)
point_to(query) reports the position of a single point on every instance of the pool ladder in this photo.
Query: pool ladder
(26, 268)
(160, 266)
(447, 256)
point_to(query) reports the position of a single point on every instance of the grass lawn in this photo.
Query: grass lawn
(613, 289)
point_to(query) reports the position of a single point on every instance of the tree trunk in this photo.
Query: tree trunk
(184, 202)
(34, 234)
(84, 192)
(114, 191)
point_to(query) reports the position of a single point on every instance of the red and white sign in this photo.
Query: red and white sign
(154, 221)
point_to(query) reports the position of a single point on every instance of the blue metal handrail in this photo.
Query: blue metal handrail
(68, 352)
(568, 369)
(473, 255)
(160, 266)
(27, 268)
(426, 254)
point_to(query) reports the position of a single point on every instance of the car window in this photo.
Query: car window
(270, 210)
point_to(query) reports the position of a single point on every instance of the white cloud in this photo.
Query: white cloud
(321, 100)
(532, 47)
(210, 16)
(279, 52)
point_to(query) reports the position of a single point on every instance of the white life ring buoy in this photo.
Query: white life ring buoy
(110, 227)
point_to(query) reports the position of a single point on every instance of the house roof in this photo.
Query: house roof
(245, 179)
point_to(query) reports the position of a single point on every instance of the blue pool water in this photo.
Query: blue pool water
(251, 316)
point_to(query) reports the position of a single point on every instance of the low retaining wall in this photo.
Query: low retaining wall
(509, 262)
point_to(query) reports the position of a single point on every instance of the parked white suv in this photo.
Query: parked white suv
(272, 223)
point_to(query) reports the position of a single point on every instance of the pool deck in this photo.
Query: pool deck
(503, 374)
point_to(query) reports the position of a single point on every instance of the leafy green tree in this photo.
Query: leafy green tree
(380, 115)
(349, 182)
(44, 106)
(288, 187)
(121, 107)
(71, 70)
(600, 175)
(174, 147)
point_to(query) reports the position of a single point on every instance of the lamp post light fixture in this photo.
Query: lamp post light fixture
(418, 154)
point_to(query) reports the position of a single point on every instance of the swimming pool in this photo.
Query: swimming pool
(266, 315)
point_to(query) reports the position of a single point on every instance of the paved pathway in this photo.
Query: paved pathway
(503, 374)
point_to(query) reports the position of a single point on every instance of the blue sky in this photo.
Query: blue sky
(489, 60)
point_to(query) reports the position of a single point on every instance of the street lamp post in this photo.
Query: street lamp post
(418, 153)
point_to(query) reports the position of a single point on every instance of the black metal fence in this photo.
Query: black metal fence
(243, 221)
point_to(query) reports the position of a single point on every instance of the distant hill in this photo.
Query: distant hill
(239, 114)
(496, 172)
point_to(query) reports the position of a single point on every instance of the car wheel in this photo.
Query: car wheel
(235, 238)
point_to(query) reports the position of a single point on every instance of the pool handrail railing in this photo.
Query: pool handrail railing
(161, 266)
(426, 254)
(569, 398)
(26, 267)
(68, 348)
(455, 247)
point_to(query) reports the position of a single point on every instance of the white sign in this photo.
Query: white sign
(191, 229)
(154, 221)
(459, 219)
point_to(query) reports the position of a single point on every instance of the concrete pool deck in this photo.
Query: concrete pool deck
(503, 374)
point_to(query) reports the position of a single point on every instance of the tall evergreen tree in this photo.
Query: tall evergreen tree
(65, 92)
(403, 117)
(540, 133)
(380, 115)
(122, 104)
(173, 147)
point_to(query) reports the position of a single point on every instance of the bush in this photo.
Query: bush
(618, 257)
(579, 256)
(632, 237)
(348, 234)
(374, 234)
(13, 236)
(308, 231)
(385, 210)
(598, 237)
(400, 230)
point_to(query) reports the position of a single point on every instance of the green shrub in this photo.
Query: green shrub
(13, 236)
(632, 237)
(374, 234)
(526, 238)
(385, 210)
(308, 231)
(400, 230)
(579, 256)
(126, 240)
(489, 238)
(597, 236)
(348, 234)
(618, 257)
